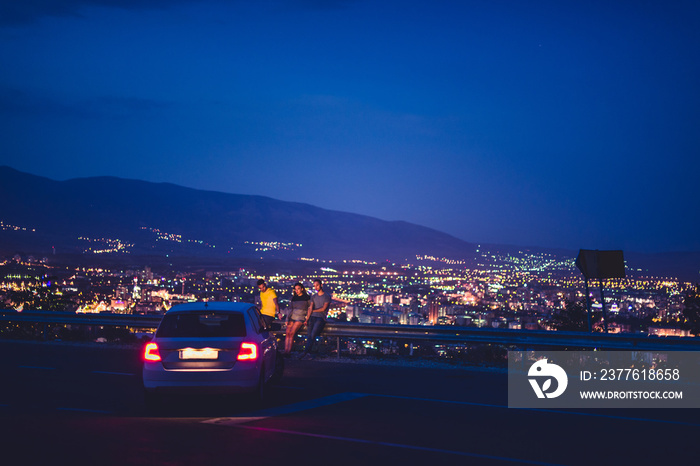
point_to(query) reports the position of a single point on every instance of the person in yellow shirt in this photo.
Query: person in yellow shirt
(269, 308)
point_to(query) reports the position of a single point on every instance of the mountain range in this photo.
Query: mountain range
(129, 219)
(40, 215)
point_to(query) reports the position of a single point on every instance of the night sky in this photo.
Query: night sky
(569, 124)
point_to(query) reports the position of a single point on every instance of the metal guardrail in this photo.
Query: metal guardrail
(520, 338)
(71, 318)
(523, 339)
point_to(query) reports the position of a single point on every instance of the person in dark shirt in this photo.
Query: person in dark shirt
(316, 320)
(300, 308)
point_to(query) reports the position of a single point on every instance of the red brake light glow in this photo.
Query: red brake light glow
(151, 353)
(248, 352)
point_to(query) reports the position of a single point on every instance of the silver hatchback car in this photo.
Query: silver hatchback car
(211, 347)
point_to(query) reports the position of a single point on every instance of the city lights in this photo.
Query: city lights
(516, 290)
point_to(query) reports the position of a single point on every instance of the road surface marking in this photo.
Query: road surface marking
(286, 409)
(573, 413)
(339, 398)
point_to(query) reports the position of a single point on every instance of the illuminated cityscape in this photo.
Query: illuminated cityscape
(515, 290)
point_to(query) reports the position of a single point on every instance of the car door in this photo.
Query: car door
(267, 341)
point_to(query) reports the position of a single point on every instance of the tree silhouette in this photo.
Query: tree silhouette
(574, 317)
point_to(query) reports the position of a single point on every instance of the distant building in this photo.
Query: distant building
(669, 332)
(118, 306)
(433, 311)
(352, 310)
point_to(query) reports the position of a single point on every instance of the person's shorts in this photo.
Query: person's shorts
(297, 316)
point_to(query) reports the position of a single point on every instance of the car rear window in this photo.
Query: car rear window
(198, 324)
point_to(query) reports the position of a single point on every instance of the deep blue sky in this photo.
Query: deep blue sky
(536, 123)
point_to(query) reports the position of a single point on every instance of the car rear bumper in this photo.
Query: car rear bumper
(237, 380)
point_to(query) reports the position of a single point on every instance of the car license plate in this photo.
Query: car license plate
(199, 353)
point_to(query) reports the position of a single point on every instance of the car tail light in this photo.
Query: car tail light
(248, 352)
(151, 353)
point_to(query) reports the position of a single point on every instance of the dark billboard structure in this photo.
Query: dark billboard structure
(600, 265)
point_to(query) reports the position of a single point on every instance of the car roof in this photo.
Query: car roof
(210, 306)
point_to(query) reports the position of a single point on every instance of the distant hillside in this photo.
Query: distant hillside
(127, 219)
(107, 213)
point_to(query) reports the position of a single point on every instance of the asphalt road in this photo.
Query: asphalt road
(61, 404)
